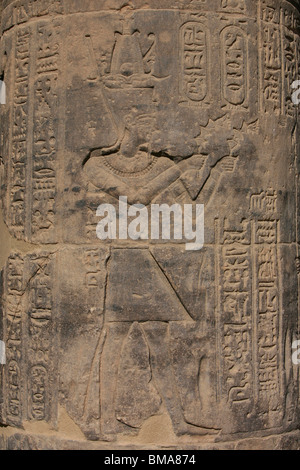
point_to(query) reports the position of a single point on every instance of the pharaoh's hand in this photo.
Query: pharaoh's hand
(216, 147)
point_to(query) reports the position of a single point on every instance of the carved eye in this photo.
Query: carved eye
(127, 69)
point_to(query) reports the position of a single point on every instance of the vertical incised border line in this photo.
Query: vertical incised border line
(218, 308)
(260, 59)
(254, 314)
(281, 313)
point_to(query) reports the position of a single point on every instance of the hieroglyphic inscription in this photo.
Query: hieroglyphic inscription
(289, 21)
(14, 339)
(265, 229)
(279, 62)
(236, 322)
(94, 261)
(38, 386)
(40, 334)
(237, 6)
(20, 130)
(194, 61)
(234, 69)
(249, 319)
(22, 11)
(268, 329)
(264, 203)
(91, 220)
(271, 57)
(45, 134)
(29, 288)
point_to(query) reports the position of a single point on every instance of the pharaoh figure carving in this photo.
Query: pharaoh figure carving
(176, 102)
(141, 168)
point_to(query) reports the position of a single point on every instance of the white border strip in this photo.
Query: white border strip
(2, 92)
(2, 353)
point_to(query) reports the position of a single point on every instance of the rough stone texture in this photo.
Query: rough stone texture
(140, 344)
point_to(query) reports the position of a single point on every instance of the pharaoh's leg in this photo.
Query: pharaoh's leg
(109, 367)
(128, 395)
(158, 338)
(193, 363)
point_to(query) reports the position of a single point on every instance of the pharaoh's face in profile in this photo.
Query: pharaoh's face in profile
(137, 135)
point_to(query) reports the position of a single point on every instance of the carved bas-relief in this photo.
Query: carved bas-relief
(136, 316)
(138, 165)
(181, 103)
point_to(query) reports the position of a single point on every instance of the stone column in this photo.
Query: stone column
(126, 343)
